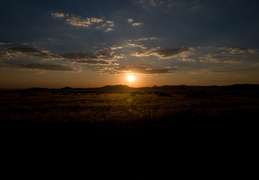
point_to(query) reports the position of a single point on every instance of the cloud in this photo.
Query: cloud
(130, 20)
(31, 52)
(59, 15)
(49, 67)
(100, 54)
(137, 24)
(167, 53)
(4, 44)
(93, 62)
(118, 59)
(116, 47)
(4, 55)
(25, 50)
(32, 58)
(147, 39)
(89, 22)
(207, 71)
(109, 29)
(215, 58)
(162, 53)
(134, 45)
(144, 70)
(195, 54)
(74, 20)
(241, 50)
(110, 23)
(144, 52)
(135, 69)
(79, 56)
(101, 57)
(225, 55)
(106, 53)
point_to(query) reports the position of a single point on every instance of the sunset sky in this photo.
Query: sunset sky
(93, 43)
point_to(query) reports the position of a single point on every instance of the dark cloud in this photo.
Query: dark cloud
(143, 70)
(50, 67)
(162, 53)
(4, 44)
(93, 62)
(107, 53)
(31, 51)
(101, 57)
(25, 50)
(171, 52)
(242, 50)
(118, 59)
(24, 57)
(224, 55)
(4, 55)
(79, 56)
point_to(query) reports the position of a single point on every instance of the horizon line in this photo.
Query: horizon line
(68, 87)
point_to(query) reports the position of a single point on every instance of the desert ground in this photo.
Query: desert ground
(130, 133)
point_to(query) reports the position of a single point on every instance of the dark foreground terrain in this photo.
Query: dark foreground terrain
(117, 132)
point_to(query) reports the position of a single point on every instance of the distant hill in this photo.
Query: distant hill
(116, 87)
(193, 91)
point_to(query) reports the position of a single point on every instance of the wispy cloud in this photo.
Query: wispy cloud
(4, 44)
(4, 55)
(206, 71)
(120, 59)
(93, 62)
(31, 52)
(100, 54)
(147, 39)
(89, 22)
(101, 57)
(109, 29)
(135, 24)
(79, 56)
(59, 15)
(135, 70)
(143, 70)
(32, 58)
(225, 55)
(167, 53)
(199, 54)
(241, 50)
(48, 67)
(161, 53)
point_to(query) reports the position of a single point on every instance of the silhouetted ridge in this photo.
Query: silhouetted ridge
(242, 87)
(116, 87)
(66, 88)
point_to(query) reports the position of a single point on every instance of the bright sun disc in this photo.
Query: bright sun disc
(131, 78)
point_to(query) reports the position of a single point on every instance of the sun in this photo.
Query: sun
(131, 78)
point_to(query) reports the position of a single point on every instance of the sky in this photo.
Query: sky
(93, 43)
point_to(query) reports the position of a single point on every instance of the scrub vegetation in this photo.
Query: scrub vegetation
(118, 132)
(122, 105)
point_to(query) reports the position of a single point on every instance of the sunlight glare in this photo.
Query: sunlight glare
(131, 78)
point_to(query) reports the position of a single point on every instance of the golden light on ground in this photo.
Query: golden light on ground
(131, 78)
